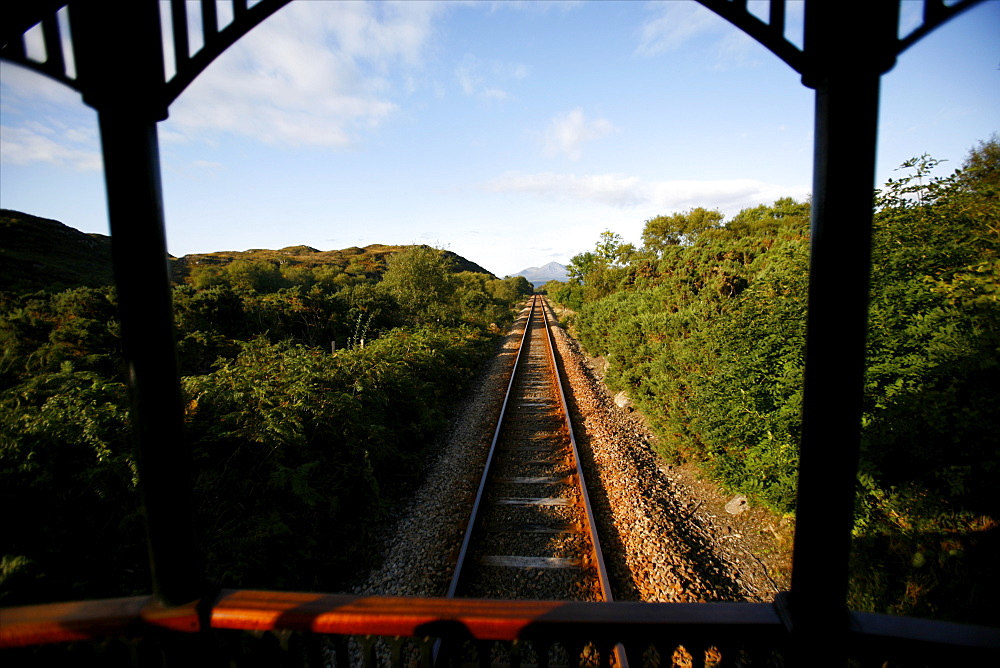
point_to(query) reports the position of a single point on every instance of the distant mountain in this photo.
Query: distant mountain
(370, 259)
(42, 254)
(553, 271)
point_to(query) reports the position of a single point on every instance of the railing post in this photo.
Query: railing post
(131, 166)
(845, 70)
(120, 65)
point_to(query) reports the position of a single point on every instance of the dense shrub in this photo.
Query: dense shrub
(298, 451)
(309, 409)
(704, 328)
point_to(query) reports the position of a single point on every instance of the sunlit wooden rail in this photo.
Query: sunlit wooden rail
(745, 630)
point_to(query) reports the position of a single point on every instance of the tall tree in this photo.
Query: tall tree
(679, 228)
(422, 280)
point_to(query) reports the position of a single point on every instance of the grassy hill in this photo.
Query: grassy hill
(38, 253)
(370, 260)
(42, 254)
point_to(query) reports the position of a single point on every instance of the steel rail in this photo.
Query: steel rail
(467, 539)
(594, 557)
(595, 541)
(621, 659)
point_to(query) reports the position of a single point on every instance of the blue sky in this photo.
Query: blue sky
(512, 133)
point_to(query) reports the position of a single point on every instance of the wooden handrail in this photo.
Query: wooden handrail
(707, 624)
(387, 616)
(89, 620)
(475, 618)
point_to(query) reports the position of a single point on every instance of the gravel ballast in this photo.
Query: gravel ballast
(665, 532)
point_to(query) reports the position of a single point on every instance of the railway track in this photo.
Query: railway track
(532, 533)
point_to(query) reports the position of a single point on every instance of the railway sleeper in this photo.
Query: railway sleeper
(536, 480)
(538, 448)
(535, 501)
(513, 561)
(536, 527)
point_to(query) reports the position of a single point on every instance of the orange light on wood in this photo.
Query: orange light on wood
(387, 616)
(343, 614)
(89, 620)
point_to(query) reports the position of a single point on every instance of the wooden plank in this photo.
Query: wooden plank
(557, 449)
(533, 480)
(535, 501)
(535, 527)
(511, 561)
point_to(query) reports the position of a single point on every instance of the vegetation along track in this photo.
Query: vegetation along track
(532, 533)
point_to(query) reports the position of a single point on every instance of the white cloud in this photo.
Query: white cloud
(737, 50)
(567, 133)
(657, 197)
(483, 80)
(535, 7)
(23, 87)
(468, 77)
(673, 25)
(75, 148)
(611, 189)
(493, 94)
(314, 74)
(45, 121)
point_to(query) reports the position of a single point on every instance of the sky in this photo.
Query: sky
(511, 133)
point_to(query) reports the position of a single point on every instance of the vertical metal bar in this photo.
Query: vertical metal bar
(14, 49)
(209, 21)
(178, 19)
(776, 17)
(847, 51)
(139, 252)
(54, 60)
(934, 10)
(843, 183)
(120, 68)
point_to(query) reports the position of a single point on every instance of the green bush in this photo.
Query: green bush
(704, 328)
(298, 450)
